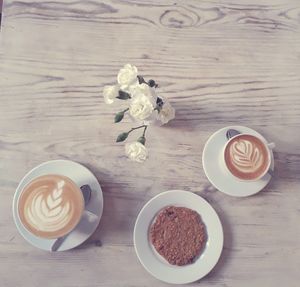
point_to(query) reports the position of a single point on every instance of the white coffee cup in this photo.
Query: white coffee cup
(50, 206)
(225, 165)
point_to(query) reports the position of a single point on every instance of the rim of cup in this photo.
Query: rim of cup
(38, 177)
(268, 146)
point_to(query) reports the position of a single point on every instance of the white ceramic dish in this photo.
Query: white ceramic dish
(87, 225)
(157, 265)
(221, 178)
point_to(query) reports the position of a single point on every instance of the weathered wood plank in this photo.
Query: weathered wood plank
(219, 62)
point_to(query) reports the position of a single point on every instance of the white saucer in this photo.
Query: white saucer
(220, 178)
(156, 264)
(80, 175)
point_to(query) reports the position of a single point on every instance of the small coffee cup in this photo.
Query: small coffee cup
(50, 206)
(247, 157)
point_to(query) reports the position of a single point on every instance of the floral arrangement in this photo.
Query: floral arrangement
(144, 108)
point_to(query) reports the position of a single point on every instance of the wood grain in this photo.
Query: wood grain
(219, 62)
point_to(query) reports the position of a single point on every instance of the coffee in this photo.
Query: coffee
(247, 157)
(50, 206)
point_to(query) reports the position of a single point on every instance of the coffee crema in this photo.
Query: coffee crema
(246, 157)
(50, 206)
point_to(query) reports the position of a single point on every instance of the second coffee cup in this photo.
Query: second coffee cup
(246, 157)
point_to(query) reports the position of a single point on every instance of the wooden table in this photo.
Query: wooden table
(1, 3)
(219, 62)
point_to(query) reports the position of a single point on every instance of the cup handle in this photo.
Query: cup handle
(86, 192)
(271, 145)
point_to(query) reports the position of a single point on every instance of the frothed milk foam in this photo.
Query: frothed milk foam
(50, 206)
(246, 157)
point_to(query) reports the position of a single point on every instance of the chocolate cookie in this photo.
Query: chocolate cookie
(178, 234)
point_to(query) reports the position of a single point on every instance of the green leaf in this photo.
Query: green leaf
(142, 140)
(123, 95)
(119, 116)
(141, 79)
(152, 84)
(122, 137)
(159, 104)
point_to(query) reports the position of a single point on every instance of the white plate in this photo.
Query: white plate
(156, 264)
(222, 179)
(87, 225)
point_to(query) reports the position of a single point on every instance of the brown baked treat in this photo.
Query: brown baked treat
(178, 234)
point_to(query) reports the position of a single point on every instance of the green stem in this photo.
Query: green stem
(125, 110)
(142, 126)
(145, 130)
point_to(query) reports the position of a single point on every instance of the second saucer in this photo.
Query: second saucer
(222, 179)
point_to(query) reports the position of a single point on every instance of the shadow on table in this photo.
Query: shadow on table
(186, 118)
(112, 221)
(228, 240)
(105, 180)
(194, 116)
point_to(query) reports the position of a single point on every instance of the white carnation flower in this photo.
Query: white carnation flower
(167, 112)
(136, 151)
(141, 108)
(127, 75)
(110, 93)
(143, 102)
(142, 89)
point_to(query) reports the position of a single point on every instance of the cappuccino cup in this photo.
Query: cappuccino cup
(247, 157)
(50, 206)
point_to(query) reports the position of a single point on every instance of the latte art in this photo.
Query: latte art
(47, 212)
(50, 206)
(246, 157)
